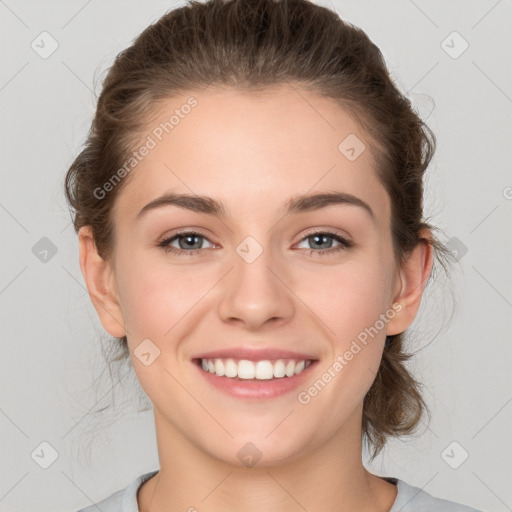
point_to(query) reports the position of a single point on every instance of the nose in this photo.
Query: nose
(256, 293)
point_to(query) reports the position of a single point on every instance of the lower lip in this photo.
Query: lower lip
(254, 388)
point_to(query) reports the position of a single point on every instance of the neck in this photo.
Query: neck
(190, 479)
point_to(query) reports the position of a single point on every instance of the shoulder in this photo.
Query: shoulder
(414, 499)
(123, 500)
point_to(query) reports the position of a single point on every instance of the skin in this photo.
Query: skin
(253, 152)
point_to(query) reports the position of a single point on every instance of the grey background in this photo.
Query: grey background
(50, 333)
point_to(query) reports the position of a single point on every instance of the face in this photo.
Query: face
(255, 281)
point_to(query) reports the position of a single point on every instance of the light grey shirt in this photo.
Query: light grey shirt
(409, 499)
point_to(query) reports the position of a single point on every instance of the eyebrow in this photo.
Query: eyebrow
(296, 204)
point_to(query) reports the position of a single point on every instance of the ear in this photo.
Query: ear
(100, 280)
(413, 277)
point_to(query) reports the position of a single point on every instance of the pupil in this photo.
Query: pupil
(189, 240)
(320, 238)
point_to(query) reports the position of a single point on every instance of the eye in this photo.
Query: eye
(186, 240)
(323, 238)
(190, 243)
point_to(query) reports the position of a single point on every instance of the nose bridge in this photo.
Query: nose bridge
(254, 291)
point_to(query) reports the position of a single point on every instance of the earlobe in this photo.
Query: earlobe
(413, 277)
(100, 281)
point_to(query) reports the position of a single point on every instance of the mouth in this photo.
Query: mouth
(244, 378)
(244, 369)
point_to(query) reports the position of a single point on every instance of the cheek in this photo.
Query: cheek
(155, 297)
(352, 303)
(347, 298)
(161, 304)
(350, 311)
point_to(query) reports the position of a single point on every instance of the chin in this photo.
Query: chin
(258, 451)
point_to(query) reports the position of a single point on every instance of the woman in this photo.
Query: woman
(250, 220)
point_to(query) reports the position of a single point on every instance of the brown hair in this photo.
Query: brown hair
(252, 45)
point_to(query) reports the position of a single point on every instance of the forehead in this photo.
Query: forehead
(252, 151)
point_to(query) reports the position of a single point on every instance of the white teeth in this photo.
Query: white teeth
(230, 368)
(279, 369)
(290, 369)
(264, 370)
(249, 370)
(219, 367)
(246, 369)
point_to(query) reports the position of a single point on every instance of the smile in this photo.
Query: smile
(254, 370)
(260, 379)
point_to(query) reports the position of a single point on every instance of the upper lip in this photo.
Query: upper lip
(254, 354)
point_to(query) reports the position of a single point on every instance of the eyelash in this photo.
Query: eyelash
(344, 244)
